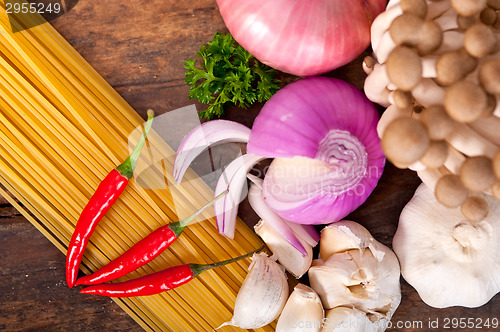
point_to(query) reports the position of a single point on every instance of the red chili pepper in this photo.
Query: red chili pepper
(101, 201)
(157, 282)
(143, 251)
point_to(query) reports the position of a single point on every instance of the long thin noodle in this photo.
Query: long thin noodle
(62, 128)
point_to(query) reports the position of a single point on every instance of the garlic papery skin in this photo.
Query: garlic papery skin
(348, 319)
(449, 260)
(303, 311)
(262, 295)
(357, 271)
(292, 259)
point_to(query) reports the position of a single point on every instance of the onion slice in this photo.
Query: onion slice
(279, 225)
(308, 233)
(204, 136)
(232, 179)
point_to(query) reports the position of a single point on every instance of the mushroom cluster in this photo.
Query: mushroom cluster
(436, 67)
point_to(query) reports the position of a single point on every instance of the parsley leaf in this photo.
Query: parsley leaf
(228, 74)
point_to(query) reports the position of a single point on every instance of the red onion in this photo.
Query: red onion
(322, 133)
(301, 37)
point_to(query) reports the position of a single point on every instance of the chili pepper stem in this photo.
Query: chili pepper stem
(127, 168)
(200, 268)
(178, 226)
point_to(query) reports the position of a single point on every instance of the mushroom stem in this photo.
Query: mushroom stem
(428, 93)
(454, 160)
(385, 47)
(381, 24)
(390, 114)
(489, 128)
(376, 85)
(430, 176)
(437, 8)
(470, 143)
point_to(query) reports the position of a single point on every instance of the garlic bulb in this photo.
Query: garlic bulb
(262, 296)
(293, 261)
(348, 319)
(303, 311)
(355, 270)
(448, 259)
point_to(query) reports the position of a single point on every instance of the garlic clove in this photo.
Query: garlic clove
(303, 311)
(345, 235)
(357, 271)
(348, 319)
(262, 295)
(292, 259)
(359, 279)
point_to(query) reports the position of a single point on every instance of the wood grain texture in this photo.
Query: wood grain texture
(140, 48)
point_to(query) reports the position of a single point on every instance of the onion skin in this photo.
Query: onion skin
(303, 38)
(292, 127)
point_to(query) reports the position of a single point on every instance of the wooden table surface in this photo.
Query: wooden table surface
(140, 47)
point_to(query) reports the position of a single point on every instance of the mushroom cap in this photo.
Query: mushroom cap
(479, 40)
(477, 173)
(468, 7)
(453, 66)
(405, 140)
(404, 67)
(449, 260)
(436, 154)
(465, 101)
(489, 76)
(475, 208)
(450, 191)
(416, 7)
(437, 121)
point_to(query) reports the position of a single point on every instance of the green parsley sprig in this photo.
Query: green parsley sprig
(228, 75)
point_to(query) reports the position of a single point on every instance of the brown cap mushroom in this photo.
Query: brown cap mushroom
(465, 22)
(412, 30)
(488, 16)
(450, 191)
(438, 122)
(405, 28)
(436, 154)
(405, 141)
(402, 99)
(454, 66)
(480, 40)
(496, 164)
(415, 7)
(468, 7)
(465, 101)
(489, 76)
(475, 208)
(430, 37)
(495, 4)
(477, 173)
(404, 68)
(495, 190)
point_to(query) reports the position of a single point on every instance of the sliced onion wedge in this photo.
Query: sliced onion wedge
(272, 219)
(204, 136)
(232, 179)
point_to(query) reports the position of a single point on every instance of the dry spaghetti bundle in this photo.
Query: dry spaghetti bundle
(62, 128)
